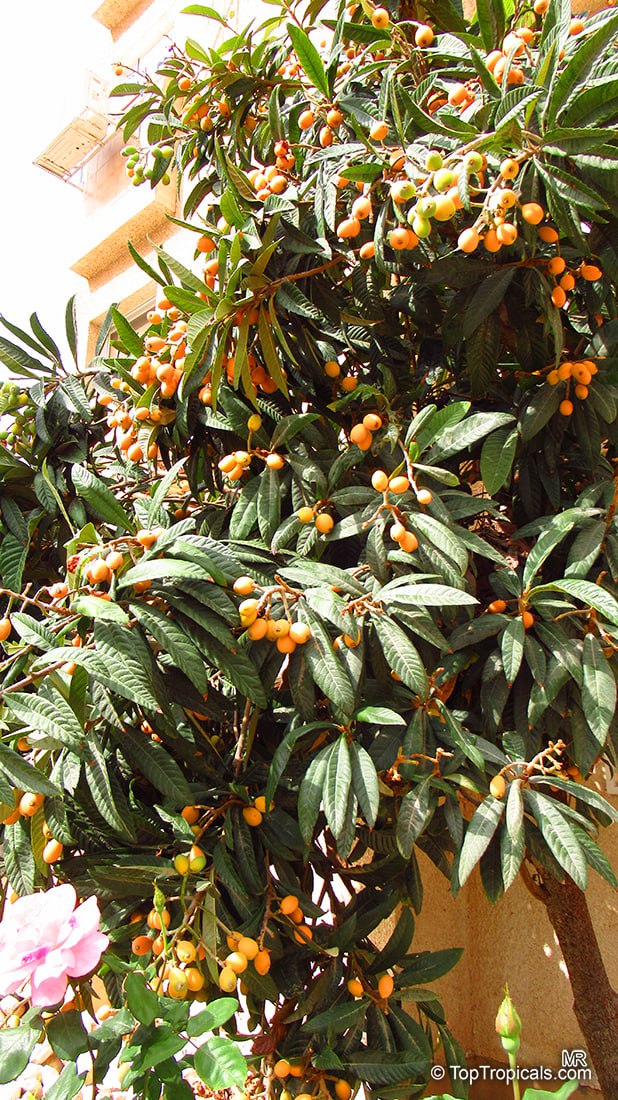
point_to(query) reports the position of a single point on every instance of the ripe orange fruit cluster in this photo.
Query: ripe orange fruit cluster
(290, 908)
(269, 179)
(243, 950)
(26, 804)
(498, 607)
(285, 632)
(578, 375)
(233, 465)
(348, 382)
(362, 434)
(323, 521)
(254, 813)
(260, 379)
(191, 862)
(178, 976)
(565, 278)
(407, 540)
(101, 569)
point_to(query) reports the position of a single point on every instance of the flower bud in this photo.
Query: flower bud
(508, 1025)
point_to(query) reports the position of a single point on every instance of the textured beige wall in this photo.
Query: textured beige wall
(511, 943)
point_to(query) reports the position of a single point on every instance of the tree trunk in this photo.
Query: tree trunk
(595, 1003)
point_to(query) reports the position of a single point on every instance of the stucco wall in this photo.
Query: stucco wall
(511, 943)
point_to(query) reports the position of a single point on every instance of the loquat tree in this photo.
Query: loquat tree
(320, 570)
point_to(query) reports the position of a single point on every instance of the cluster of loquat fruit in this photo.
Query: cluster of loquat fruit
(98, 566)
(178, 957)
(235, 464)
(577, 375)
(141, 167)
(27, 804)
(17, 403)
(399, 484)
(499, 607)
(255, 616)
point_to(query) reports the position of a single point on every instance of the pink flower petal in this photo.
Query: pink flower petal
(49, 989)
(44, 938)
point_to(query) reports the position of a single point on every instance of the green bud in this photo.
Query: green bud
(511, 1046)
(158, 899)
(508, 1023)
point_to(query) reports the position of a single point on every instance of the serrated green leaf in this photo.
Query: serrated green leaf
(94, 607)
(512, 838)
(575, 73)
(512, 647)
(32, 632)
(380, 1067)
(156, 764)
(309, 58)
(595, 857)
(458, 437)
(479, 833)
(50, 714)
(310, 795)
(558, 834)
(401, 655)
(337, 782)
(365, 783)
(13, 556)
(181, 649)
(598, 689)
(22, 774)
(592, 595)
(380, 716)
(99, 498)
(414, 813)
(486, 299)
(427, 595)
(131, 341)
(325, 666)
(268, 504)
(123, 662)
(97, 774)
(220, 1064)
(497, 457)
(539, 410)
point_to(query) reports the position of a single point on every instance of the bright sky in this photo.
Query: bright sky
(42, 87)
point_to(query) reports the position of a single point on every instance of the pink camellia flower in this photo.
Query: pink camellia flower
(45, 939)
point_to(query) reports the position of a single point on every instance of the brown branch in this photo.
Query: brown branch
(242, 739)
